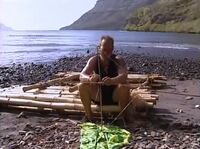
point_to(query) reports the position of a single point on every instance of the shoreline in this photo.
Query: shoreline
(142, 63)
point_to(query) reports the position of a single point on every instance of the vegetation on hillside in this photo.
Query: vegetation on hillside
(167, 16)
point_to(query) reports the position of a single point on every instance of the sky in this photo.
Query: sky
(42, 14)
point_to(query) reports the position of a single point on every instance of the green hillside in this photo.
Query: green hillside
(167, 16)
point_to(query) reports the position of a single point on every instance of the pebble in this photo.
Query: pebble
(197, 106)
(179, 110)
(22, 115)
(189, 98)
(150, 146)
(139, 138)
(164, 146)
(186, 138)
(21, 132)
(153, 133)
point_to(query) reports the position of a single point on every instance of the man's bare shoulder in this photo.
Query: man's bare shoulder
(92, 60)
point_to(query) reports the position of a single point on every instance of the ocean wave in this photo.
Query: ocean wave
(161, 45)
(172, 46)
(36, 51)
(30, 36)
(38, 45)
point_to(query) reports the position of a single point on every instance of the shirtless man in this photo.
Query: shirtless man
(109, 69)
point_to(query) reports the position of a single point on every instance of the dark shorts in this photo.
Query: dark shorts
(107, 95)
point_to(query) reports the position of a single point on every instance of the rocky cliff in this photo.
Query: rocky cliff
(142, 15)
(108, 14)
(3, 27)
(167, 16)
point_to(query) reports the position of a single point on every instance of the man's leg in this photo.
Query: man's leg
(87, 92)
(122, 95)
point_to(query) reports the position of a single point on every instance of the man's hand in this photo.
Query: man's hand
(94, 78)
(108, 81)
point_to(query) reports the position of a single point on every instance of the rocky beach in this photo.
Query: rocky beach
(153, 37)
(172, 67)
(173, 123)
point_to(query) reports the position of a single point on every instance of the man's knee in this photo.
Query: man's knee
(122, 88)
(83, 87)
(121, 93)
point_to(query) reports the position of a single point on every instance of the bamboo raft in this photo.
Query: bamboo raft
(62, 93)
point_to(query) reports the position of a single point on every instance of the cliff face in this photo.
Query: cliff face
(167, 16)
(142, 15)
(108, 14)
(3, 27)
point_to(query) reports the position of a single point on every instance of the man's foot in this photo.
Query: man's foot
(86, 119)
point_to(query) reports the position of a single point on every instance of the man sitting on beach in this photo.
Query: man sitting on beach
(108, 69)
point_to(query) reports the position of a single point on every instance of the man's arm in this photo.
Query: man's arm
(122, 71)
(87, 73)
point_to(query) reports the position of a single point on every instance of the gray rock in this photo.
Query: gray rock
(153, 133)
(150, 146)
(197, 106)
(189, 98)
(186, 138)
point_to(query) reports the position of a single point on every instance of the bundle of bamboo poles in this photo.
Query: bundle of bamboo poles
(133, 81)
(48, 100)
(52, 95)
(58, 97)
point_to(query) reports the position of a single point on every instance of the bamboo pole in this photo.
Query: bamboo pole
(143, 77)
(41, 104)
(131, 86)
(69, 106)
(73, 88)
(149, 96)
(150, 101)
(50, 82)
(60, 75)
(130, 76)
(44, 99)
(150, 105)
(52, 92)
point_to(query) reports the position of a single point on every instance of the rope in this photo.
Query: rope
(99, 87)
(122, 111)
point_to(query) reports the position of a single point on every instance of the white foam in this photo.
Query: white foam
(160, 45)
